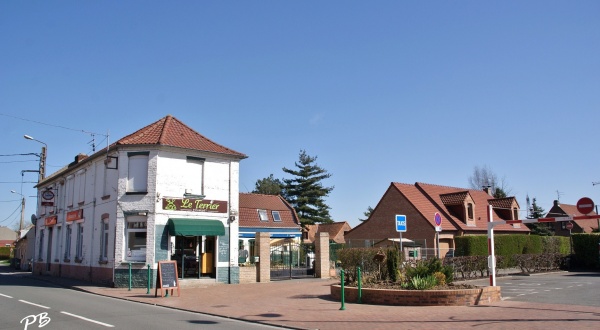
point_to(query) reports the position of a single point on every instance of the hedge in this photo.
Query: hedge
(5, 252)
(586, 250)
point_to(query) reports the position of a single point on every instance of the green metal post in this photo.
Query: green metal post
(359, 287)
(130, 276)
(148, 291)
(342, 292)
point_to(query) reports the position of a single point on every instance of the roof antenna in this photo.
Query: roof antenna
(558, 194)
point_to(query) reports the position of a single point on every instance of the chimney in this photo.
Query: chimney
(488, 190)
(556, 203)
(78, 159)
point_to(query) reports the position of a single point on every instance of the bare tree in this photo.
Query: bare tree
(484, 177)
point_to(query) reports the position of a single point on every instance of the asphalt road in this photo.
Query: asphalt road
(26, 303)
(570, 288)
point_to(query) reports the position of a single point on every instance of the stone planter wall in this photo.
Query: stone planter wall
(460, 297)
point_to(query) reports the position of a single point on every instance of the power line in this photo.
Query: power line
(58, 126)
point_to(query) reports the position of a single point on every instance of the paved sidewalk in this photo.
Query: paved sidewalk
(306, 304)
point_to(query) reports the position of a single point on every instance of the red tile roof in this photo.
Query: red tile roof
(251, 203)
(170, 131)
(335, 230)
(571, 210)
(427, 199)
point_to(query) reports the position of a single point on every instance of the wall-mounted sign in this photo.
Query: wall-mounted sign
(47, 198)
(75, 215)
(50, 221)
(194, 205)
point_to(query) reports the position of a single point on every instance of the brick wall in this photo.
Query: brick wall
(248, 274)
(464, 297)
(263, 250)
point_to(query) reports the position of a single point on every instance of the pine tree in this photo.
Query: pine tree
(268, 186)
(535, 211)
(306, 193)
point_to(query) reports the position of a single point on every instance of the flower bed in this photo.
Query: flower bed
(394, 297)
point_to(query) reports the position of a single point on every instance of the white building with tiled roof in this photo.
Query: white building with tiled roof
(164, 192)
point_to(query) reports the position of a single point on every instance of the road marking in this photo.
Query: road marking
(89, 320)
(3, 295)
(30, 303)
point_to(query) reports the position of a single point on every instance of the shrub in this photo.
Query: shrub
(422, 283)
(392, 264)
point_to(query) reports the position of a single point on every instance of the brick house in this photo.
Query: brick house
(164, 192)
(265, 213)
(336, 231)
(463, 212)
(564, 210)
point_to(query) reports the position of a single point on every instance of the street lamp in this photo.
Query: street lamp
(22, 223)
(42, 174)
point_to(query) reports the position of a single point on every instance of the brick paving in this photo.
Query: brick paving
(306, 304)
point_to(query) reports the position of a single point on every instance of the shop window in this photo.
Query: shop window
(137, 172)
(262, 214)
(276, 216)
(136, 238)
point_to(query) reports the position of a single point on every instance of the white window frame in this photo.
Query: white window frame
(262, 215)
(131, 255)
(195, 175)
(69, 233)
(41, 247)
(276, 216)
(137, 172)
(79, 242)
(104, 240)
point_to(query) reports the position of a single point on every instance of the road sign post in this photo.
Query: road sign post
(438, 228)
(400, 227)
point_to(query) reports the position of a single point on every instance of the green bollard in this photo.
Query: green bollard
(342, 292)
(359, 287)
(148, 291)
(130, 276)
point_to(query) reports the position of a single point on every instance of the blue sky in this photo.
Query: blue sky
(379, 91)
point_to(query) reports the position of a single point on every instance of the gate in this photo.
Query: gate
(290, 259)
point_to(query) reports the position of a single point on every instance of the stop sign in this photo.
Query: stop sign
(585, 205)
(569, 225)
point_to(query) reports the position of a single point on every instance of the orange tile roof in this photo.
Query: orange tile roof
(170, 131)
(251, 203)
(571, 210)
(427, 199)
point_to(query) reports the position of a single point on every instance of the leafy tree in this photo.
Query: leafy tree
(367, 213)
(268, 186)
(534, 212)
(485, 177)
(305, 191)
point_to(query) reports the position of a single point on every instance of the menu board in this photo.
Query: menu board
(167, 277)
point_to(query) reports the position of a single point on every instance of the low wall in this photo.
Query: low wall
(247, 274)
(460, 297)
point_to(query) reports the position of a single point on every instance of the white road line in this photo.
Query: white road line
(89, 320)
(3, 295)
(30, 303)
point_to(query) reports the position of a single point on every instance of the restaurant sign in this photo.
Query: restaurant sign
(75, 215)
(194, 205)
(50, 221)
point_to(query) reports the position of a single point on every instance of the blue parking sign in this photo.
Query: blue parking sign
(400, 223)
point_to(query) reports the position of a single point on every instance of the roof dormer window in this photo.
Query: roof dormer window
(262, 215)
(276, 216)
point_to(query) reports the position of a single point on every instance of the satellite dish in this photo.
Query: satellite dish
(33, 219)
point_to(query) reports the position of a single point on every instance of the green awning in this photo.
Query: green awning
(195, 227)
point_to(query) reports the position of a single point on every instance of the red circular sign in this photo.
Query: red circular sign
(585, 205)
(569, 225)
(438, 219)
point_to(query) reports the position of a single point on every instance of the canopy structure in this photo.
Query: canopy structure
(195, 227)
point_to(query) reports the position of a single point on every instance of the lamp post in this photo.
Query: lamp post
(22, 223)
(42, 173)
